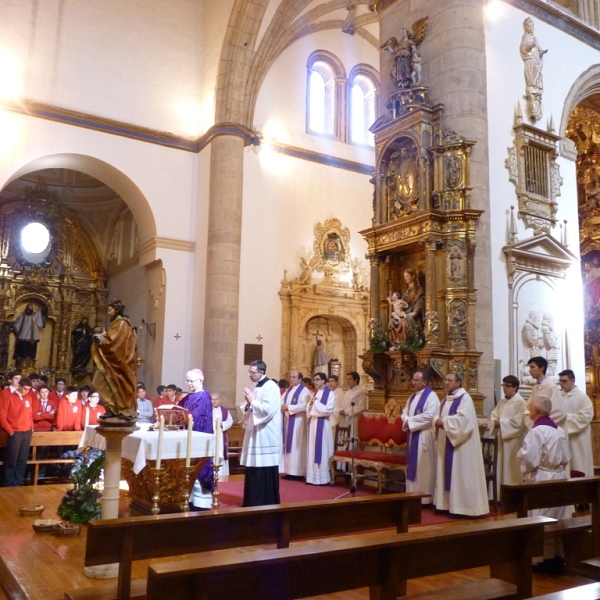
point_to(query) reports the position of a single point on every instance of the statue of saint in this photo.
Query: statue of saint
(406, 316)
(320, 361)
(115, 356)
(532, 55)
(81, 345)
(26, 328)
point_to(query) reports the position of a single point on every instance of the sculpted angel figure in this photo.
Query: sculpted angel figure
(407, 61)
(307, 269)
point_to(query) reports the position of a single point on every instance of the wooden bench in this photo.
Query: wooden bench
(139, 538)
(580, 535)
(376, 430)
(380, 563)
(591, 591)
(50, 438)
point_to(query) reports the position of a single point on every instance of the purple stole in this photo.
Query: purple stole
(413, 437)
(545, 420)
(320, 426)
(449, 453)
(292, 418)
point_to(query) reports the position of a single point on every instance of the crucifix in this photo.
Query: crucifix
(177, 336)
(259, 337)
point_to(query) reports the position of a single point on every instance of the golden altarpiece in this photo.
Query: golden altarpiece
(63, 280)
(421, 247)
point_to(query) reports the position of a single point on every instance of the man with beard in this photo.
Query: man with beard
(115, 356)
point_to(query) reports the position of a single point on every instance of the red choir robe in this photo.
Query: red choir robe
(68, 417)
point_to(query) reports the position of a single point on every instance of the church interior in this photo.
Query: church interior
(369, 186)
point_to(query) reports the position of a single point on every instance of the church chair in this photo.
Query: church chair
(341, 442)
(489, 448)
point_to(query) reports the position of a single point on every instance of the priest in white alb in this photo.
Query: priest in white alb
(460, 478)
(580, 412)
(293, 408)
(320, 436)
(344, 408)
(544, 386)
(417, 419)
(507, 422)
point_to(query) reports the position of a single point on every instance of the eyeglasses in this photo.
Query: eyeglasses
(253, 372)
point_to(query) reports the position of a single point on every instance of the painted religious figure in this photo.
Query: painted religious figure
(593, 282)
(115, 355)
(26, 328)
(532, 55)
(402, 183)
(406, 312)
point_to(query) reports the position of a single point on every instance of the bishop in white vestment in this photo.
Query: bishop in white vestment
(417, 418)
(460, 478)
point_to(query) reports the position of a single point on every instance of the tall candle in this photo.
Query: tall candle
(218, 438)
(188, 454)
(87, 416)
(161, 429)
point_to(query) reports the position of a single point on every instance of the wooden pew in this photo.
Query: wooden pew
(578, 544)
(139, 538)
(591, 591)
(51, 438)
(380, 562)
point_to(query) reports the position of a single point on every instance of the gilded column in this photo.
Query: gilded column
(294, 334)
(375, 286)
(223, 266)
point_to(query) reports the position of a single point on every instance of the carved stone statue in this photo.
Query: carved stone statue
(406, 312)
(115, 355)
(320, 359)
(26, 328)
(532, 55)
(550, 340)
(407, 61)
(307, 269)
(532, 335)
(81, 345)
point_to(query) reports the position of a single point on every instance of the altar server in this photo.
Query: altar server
(320, 437)
(224, 415)
(295, 399)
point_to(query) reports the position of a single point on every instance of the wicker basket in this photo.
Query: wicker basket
(31, 510)
(65, 529)
(44, 525)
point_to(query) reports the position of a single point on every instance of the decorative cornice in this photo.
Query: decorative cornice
(318, 157)
(168, 243)
(559, 19)
(142, 134)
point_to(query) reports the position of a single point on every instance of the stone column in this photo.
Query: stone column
(223, 266)
(454, 68)
(294, 333)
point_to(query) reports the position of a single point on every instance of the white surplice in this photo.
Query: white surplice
(468, 494)
(356, 395)
(262, 422)
(334, 419)
(225, 425)
(511, 432)
(294, 462)
(423, 422)
(318, 473)
(580, 412)
(548, 388)
(544, 456)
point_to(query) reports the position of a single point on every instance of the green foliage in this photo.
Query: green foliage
(415, 339)
(378, 339)
(80, 504)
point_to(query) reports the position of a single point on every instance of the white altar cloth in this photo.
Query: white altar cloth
(141, 445)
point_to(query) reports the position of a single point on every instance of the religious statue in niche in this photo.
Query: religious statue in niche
(405, 326)
(456, 262)
(593, 281)
(532, 55)
(81, 345)
(26, 328)
(457, 326)
(320, 360)
(402, 182)
(452, 172)
(406, 71)
(540, 338)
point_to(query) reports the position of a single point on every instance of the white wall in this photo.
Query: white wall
(566, 59)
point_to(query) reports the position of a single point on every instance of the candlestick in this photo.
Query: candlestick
(188, 454)
(218, 438)
(161, 429)
(87, 416)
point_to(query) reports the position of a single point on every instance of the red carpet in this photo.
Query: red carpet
(231, 494)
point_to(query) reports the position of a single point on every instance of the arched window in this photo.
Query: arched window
(325, 94)
(364, 92)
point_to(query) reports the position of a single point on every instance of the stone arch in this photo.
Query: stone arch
(107, 174)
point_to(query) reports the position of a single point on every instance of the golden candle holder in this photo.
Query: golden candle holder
(156, 477)
(185, 500)
(215, 494)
